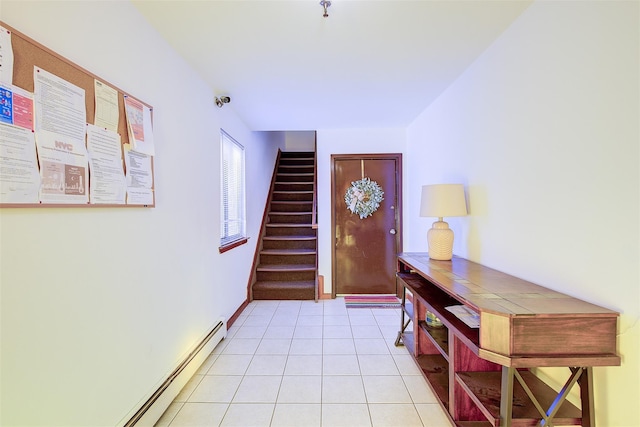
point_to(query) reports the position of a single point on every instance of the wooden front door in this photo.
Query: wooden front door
(364, 250)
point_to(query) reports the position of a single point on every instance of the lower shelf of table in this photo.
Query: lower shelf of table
(435, 368)
(473, 424)
(484, 389)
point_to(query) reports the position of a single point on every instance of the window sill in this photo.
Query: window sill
(234, 244)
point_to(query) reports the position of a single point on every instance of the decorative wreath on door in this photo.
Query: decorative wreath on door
(363, 197)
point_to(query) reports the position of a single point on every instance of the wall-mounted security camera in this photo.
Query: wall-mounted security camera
(222, 100)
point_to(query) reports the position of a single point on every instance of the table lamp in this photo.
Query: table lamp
(440, 200)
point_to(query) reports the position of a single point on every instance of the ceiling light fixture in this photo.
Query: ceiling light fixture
(222, 100)
(325, 4)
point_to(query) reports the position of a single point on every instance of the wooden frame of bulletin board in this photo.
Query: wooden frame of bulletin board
(28, 54)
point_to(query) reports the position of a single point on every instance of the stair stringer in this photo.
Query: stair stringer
(263, 228)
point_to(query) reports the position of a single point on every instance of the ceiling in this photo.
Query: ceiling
(369, 64)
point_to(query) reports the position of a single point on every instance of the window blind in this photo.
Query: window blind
(233, 195)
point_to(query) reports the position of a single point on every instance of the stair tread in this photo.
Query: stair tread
(284, 284)
(303, 237)
(293, 191)
(287, 225)
(297, 157)
(292, 202)
(286, 267)
(287, 252)
(294, 182)
(289, 213)
(297, 162)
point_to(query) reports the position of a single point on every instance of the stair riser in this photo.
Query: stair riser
(289, 244)
(296, 162)
(285, 276)
(304, 206)
(295, 169)
(296, 154)
(290, 219)
(289, 186)
(295, 178)
(293, 197)
(290, 231)
(287, 259)
(284, 294)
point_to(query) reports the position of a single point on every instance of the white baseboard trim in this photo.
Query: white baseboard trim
(153, 408)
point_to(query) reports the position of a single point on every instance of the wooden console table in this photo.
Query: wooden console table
(482, 373)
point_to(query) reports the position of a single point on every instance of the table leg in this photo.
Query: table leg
(506, 396)
(586, 397)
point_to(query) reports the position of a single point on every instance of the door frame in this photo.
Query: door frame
(397, 157)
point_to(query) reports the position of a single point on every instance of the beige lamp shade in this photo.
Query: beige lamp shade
(440, 200)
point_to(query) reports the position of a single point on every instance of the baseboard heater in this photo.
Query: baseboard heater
(160, 400)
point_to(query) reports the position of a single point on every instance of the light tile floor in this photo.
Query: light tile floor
(303, 364)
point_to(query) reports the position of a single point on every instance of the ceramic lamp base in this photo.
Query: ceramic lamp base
(440, 238)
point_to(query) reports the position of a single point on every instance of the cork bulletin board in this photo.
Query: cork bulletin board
(29, 55)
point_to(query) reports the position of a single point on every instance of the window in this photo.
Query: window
(232, 215)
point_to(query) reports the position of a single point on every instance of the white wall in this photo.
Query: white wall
(345, 141)
(543, 130)
(99, 305)
(300, 140)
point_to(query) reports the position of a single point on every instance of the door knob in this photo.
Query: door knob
(392, 231)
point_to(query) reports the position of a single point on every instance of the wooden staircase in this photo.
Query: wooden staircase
(286, 261)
